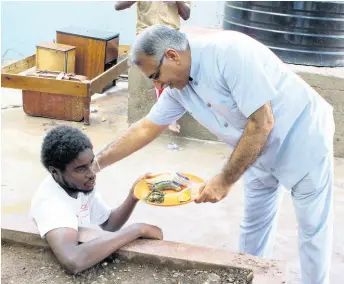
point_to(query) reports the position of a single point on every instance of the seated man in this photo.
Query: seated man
(67, 199)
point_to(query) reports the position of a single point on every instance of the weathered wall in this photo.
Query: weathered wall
(329, 83)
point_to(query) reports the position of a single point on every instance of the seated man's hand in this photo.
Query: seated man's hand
(145, 176)
(149, 231)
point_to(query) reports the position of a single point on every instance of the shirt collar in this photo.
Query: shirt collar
(195, 59)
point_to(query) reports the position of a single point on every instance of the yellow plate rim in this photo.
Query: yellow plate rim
(136, 189)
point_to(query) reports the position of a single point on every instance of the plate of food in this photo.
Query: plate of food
(168, 189)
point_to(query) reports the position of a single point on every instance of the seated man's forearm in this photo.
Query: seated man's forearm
(77, 258)
(120, 215)
(93, 252)
(137, 136)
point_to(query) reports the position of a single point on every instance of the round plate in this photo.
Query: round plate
(141, 190)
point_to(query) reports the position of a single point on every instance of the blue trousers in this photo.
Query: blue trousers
(313, 202)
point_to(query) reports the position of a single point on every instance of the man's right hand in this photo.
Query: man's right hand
(150, 231)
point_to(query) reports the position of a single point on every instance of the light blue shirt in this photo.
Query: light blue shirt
(234, 75)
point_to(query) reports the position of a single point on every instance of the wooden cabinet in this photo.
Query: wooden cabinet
(96, 51)
(53, 105)
(52, 56)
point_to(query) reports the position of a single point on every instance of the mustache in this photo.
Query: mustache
(91, 179)
(72, 187)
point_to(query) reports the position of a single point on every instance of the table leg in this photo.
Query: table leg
(87, 103)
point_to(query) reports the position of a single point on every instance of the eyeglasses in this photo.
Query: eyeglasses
(155, 76)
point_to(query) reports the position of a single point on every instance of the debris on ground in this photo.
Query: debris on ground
(25, 264)
(50, 123)
(173, 146)
(11, 106)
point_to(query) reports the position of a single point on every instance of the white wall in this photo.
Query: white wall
(25, 24)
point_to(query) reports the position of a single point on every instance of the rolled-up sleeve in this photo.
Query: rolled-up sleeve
(248, 77)
(166, 110)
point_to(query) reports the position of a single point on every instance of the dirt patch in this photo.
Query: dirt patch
(23, 264)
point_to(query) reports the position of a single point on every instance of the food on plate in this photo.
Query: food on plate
(171, 198)
(163, 185)
(184, 196)
(155, 197)
(165, 182)
(181, 179)
(159, 178)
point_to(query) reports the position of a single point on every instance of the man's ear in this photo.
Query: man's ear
(173, 55)
(54, 171)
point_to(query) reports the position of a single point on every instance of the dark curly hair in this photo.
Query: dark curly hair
(62, 145)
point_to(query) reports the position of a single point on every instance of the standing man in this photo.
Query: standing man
(281, 131)
(149, 13)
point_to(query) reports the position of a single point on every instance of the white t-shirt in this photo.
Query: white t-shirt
(52, 207)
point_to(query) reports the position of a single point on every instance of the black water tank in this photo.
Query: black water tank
(299, 32)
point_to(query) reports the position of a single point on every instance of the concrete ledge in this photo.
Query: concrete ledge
(161, 252)
(189, 256)
(336, 72)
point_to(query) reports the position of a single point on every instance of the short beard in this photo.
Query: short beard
(70, 187)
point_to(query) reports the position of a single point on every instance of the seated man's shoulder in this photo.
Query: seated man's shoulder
(51, 208)
(49, 189)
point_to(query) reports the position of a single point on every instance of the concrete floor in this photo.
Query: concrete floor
(211, 225)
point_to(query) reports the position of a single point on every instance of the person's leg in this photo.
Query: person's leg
(263, 196)
(174, 126)
(313, 202)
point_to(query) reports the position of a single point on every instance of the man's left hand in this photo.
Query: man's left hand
(145, 176)
(213, 190)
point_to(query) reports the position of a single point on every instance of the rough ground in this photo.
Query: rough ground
(28, 265)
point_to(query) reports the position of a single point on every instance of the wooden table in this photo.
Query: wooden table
(10, 78)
